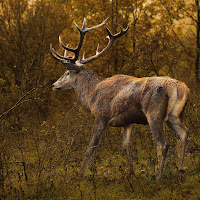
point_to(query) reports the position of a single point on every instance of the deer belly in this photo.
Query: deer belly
(125, 118)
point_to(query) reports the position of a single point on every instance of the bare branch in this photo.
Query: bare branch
(18, 103)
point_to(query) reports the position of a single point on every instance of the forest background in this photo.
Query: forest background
(44, 134)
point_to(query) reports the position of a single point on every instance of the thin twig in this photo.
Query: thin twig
(19, 102)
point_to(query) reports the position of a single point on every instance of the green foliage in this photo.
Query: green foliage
(44, 134)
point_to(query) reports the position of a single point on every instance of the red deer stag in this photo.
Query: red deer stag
(121, 100)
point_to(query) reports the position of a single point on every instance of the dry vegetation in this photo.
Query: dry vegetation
(44, 134)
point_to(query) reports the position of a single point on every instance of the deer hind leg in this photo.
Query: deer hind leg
(156, 127)
(99, 127)
(176, 125)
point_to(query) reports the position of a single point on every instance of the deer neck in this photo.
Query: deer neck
(85, 85)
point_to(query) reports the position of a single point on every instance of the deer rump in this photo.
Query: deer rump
(125, 100)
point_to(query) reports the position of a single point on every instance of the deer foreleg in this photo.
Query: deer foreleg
(126, 144)
(127, 136)
(99, 127)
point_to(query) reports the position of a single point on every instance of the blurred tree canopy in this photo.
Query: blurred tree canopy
(43, 133)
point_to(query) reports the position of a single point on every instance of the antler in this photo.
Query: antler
(111, 38)
(66, 60)
(82, 31)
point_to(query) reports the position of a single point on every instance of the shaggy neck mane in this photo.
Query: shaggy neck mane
(86, 82)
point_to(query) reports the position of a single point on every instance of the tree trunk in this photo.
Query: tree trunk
(116, 51)
(1, 177)
(198, 43)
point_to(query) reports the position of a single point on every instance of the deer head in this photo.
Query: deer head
(73, 65)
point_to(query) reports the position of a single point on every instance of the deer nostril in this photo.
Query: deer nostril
(55, 88)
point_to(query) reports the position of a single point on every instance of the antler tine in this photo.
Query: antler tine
(111, 38)
(52, 53)
(66, 47)
(84, 29)
(83, 55)
(57, 56)
(84, 24)
(114, 37)
(97, 51)
(95, 27)
(70, 66)
(63, 57)
(65, 53)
